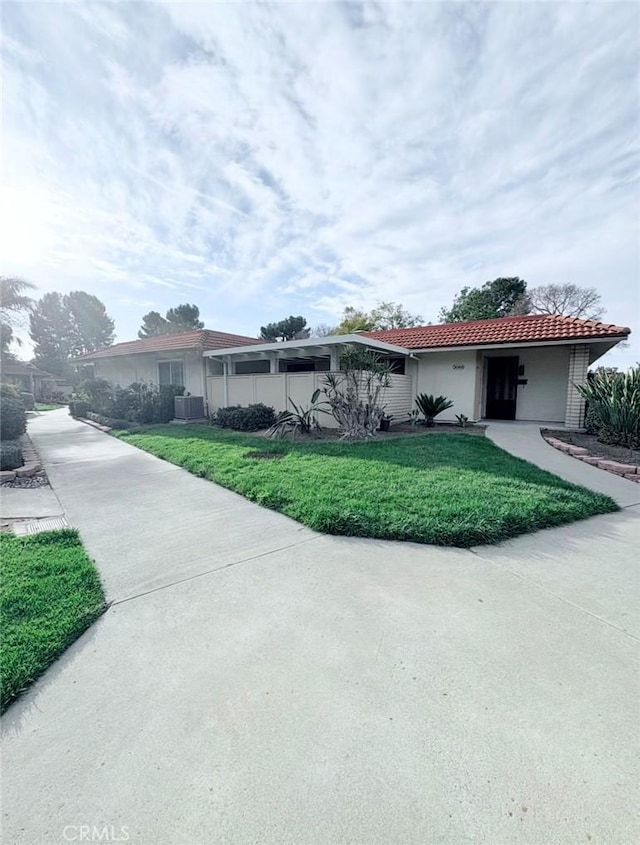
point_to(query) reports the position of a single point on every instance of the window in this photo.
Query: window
(171, 372)
(397, 364)
(257, 366)
(312, 364)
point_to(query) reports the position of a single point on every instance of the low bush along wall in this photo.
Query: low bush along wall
(10, 455)
(13, 417)
(251, 418)
(141, 403)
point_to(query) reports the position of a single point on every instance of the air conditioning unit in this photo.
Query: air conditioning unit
(189, 407)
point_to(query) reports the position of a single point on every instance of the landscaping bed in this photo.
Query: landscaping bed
(401, 430)
(590, 442)
(29, 473)
(447, 490)
(50, 593)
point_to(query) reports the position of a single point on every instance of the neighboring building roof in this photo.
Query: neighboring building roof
(532, 328)
(202, 339)
(22, 368)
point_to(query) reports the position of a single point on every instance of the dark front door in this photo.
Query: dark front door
(502, 377)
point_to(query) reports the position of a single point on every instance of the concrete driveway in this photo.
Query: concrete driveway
(256, 682)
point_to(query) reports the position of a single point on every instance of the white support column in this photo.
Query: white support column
(334, 362)
(273, 363)
(578, 367)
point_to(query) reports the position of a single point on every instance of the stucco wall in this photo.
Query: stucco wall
(125, 369)
(450, 374)
(546, 369)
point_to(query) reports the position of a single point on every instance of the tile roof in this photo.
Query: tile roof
(202, 339)
(527, 329)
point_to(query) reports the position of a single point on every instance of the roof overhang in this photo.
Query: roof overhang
(519, 345)
(309, 344)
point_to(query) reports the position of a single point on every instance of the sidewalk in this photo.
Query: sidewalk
(256, 682)
(525, 441)
(146, 522)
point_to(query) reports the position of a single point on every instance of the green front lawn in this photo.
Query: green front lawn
(51, 406)
(50, 592)
(445, 489)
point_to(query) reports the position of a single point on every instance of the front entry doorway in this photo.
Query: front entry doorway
(502, 388)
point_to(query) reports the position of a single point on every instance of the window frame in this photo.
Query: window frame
(171, 362)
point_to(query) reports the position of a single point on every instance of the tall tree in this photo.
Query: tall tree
(93, 328)
(62, 327)
(291, 328)
(568, 300)
(355, 320)
(51, 330)
(386, 315)
(323, 330)
(390, 315)
(502, 297)
(182, 318)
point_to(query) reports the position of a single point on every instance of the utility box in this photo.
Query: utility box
(189, 407)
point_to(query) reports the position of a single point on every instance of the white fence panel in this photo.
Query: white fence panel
(275, 390)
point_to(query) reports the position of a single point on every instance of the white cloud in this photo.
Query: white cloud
(269, 159)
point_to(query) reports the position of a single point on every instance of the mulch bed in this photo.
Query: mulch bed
(591, 442)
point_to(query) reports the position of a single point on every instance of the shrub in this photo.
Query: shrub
(251, 418)
(110, 421)
(13, 417)
(29, 401)
(614, 406)
(7, 389)
(79, 407)
(301, 419)
(98, 392)
(124, 403)
(430, 406)
(10, 454)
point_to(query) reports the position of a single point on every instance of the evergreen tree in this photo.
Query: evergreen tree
(502, 297)
(182, 318)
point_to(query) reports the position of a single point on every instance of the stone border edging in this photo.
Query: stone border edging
(93, 424)
(628, 471)
(29, 468)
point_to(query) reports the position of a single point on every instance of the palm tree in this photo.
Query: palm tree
(13, 298)
(13, 301)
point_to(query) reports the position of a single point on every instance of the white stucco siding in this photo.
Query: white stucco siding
(546, 370)
(450, 374)
(123, 370)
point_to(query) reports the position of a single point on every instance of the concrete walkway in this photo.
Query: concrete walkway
(256, 682)
(525, 441)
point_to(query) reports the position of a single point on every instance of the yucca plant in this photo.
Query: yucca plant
(614, 406)
(302, 420)
(430, 406)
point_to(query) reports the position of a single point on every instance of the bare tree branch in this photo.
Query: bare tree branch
(568, 300)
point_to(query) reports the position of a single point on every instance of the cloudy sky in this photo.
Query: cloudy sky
(261, 160)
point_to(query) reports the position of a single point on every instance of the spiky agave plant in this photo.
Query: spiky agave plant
(430, 406)
(614, 405)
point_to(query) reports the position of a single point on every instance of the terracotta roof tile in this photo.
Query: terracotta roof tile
(202, 339)
(528, 329)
